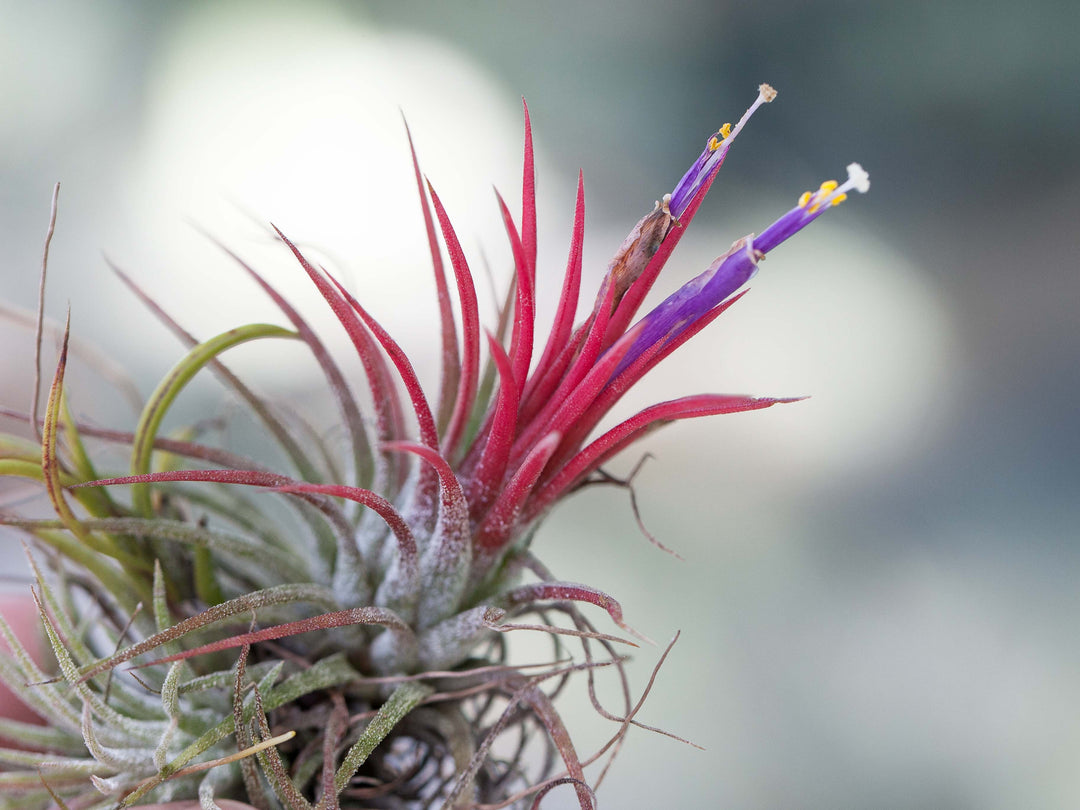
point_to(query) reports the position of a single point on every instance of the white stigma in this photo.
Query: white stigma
(765, 95)
(858, 178)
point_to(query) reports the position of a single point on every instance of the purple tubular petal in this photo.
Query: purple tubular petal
(688, 186)
(695, 298)
(787, 226)
(723, 277)
(709, 161)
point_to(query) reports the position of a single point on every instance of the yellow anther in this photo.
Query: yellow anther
(804, 199)
(829, 186)
(719, 137)
(839, 198)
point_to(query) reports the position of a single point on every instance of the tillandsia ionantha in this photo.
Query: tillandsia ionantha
(343, 642)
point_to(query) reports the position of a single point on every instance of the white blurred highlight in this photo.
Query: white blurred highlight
(297, 120)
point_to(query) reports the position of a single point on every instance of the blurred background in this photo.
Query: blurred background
(878, 605)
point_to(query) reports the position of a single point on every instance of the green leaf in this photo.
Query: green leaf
(171, 386)
(328, 672)
(403, 700)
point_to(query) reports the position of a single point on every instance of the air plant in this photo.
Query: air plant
(332, 633)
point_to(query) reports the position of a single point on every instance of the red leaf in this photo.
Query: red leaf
(498, 527)
(629, 377)
(384, 395)
(577, 372)
(568, 300)
(253, 478)
(349, 410)
(470, 330)
(528, 197)
(489, 471)
(527, 595)
(378, 504)
(451, 363)
(421, 408)
(521, 338)
(633, 429)
(325, 621)
(453, 507)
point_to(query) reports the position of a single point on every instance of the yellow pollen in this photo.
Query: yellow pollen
(725, 130)
(804, 199)
(839, 198)
(713, 144)
(828, 186)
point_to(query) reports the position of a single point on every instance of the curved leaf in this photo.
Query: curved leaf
(171, 386)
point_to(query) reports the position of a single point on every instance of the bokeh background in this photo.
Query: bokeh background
(879, 600)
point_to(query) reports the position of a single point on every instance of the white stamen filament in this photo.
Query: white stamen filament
(765, 95)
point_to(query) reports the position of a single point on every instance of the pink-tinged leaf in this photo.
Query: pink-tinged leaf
(633, 429)
(521, 338)
(591, 347)
(384, 396)
(362, 455)
(251, 478)
(325, 621)
(528, 196)
(489, 471)
(552, 784)
(499, 524)
(631, 301)
(451, 363)
(245, 603)
(529, 595)
(425, 421)
(563, 324)
(470, 330)
(453, 508)
(426, 484)
(544, 709)
(202, 452)
(383, 508)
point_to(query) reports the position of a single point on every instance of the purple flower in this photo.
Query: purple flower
(733, 269)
